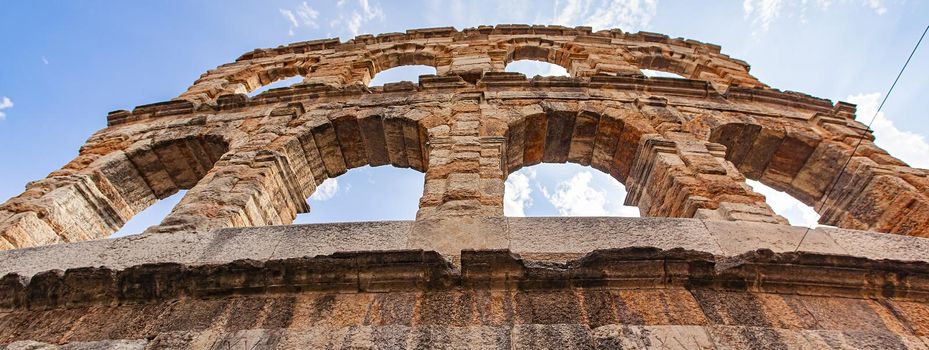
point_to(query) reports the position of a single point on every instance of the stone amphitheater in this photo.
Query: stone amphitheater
(709, 264)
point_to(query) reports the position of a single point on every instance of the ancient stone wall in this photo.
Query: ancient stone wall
(683, 147)
(552, 283)
(710, 266)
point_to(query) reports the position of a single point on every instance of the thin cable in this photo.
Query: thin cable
(868, 129)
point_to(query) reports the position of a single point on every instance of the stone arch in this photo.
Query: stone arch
(278, 84)
(266, 181)
(259, 75)
(373, 61)
(167, 166)
(97, 199)
(669, 174)
(659, 59)
(696, 63)
(347, 140)
(570, 57)
(788, 159)
(806, 163)
(604, 138)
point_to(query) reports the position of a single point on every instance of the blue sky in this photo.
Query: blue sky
(64, 65)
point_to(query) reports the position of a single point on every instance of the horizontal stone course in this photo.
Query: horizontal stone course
(560, 239)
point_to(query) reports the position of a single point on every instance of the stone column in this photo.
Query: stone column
(676, 175)
(245, 188)
(471, 66)
(339, 74)
(462, 203)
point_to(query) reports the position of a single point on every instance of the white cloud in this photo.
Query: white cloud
(877, 6)
(367, 13)
(763, 13)
(628, 15)
(354, 23)
(307, 17)
(783, 204)
(908, 146)
(657, 73)
(289, 15)
(576, 197)
(531, 68)
(516, 194)
(355, 19)
(5, 103)
(326, 190)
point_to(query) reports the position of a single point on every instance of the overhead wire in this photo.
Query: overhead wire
(835, 181)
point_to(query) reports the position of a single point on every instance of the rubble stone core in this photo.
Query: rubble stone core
(722, 267)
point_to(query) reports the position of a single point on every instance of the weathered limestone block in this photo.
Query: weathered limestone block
(683, 177)
(869, 196)
(465, 172)
(248, 188)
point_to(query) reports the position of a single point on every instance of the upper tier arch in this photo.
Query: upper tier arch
(470, 53)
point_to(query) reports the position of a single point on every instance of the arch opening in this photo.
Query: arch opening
(564, 190)
(150, 216)
(531, 68)
(286, 82)
(787, 166)
(409, 73)
(366, 194)
(152, 179)
(651, 73)
(606, 142)
(539, 145)
(783, 204)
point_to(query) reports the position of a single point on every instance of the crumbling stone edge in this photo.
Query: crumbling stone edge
(404, 270)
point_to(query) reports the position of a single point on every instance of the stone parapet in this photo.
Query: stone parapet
(576, 282)
(538, 239)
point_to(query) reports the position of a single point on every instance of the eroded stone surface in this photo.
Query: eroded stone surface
(633, 297)
(683, 147)
(714, 268)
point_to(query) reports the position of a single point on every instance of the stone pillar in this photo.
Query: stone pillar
(472, 66)
(245, 188)
(339, 74)
(465, 174)
(676, 175)
(462, 202)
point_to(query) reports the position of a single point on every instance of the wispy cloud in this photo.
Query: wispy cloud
(577, 197)
(356, 18)
(763, 13)
(877, 6)
(303, 15)
(517, 193)
(5, 103)
(326, 190)
(628, 15)
(908, 146)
